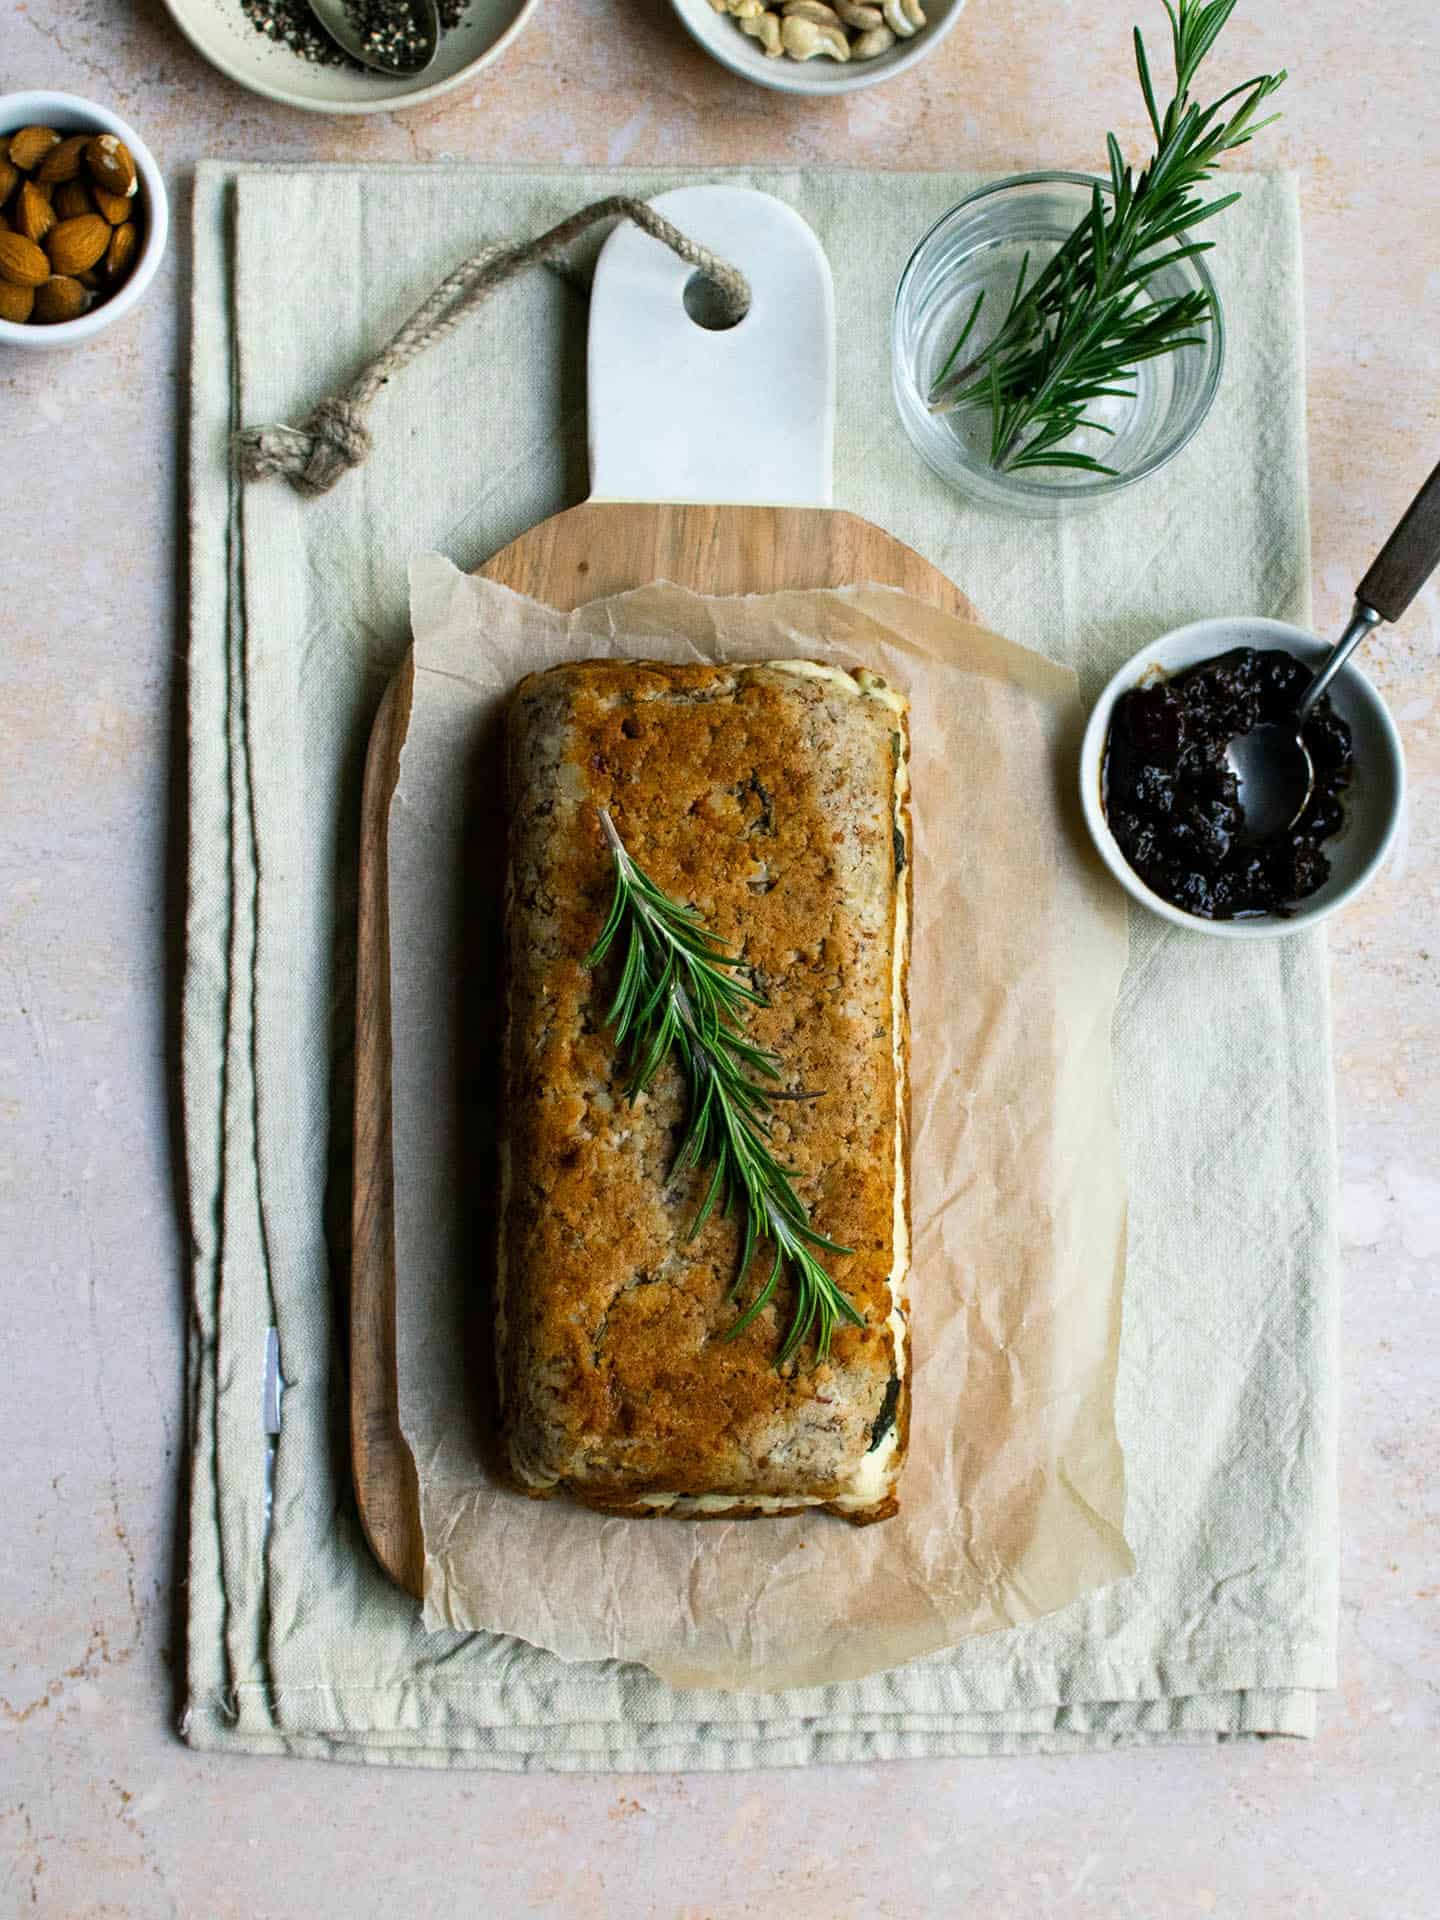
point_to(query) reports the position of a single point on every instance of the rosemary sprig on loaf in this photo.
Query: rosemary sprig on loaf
(679, 997)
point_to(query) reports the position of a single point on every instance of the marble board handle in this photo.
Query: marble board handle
(687, 413)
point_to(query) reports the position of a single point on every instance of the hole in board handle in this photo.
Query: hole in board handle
(707, 306)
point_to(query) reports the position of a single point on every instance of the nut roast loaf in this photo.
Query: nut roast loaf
(774, 800)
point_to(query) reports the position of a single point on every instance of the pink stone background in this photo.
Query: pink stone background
(102, 1812)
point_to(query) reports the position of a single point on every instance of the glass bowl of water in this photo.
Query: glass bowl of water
(978, 247)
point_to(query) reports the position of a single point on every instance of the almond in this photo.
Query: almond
(21, 261)
(34, 215)
(65, 161)
(116, 208)
(77, 244)
(60, 299)
(70, 223)
(110, 165)
(15, 303)
(72, 199)
(121, 251)
(30, 146)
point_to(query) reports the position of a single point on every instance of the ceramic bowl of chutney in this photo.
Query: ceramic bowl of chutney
(1162, 803)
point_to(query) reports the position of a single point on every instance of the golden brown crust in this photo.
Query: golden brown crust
(767, 797)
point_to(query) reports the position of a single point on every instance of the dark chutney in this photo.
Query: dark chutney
(1173, 803)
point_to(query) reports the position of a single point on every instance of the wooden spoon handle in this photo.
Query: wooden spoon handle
(1408, 557)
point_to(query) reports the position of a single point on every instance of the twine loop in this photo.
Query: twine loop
(335, 435)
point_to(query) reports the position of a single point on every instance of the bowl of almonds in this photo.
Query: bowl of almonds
(83, 219)
(818, 46)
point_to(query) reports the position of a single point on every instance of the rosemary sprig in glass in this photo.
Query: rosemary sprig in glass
(1080, 328)
(679, 997)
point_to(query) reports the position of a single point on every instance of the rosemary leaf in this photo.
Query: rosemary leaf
(1077, 330)
(678, 997)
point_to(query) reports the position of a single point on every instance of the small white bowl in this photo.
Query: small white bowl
(68, 113)
(219, 31)
(721, 37)
(1373, 802)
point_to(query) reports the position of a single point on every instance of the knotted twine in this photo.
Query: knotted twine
(335, 435)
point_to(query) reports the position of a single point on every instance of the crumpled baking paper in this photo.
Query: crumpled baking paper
(1012, 1501)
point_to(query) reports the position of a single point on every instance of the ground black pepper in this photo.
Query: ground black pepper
(389, 26)
(1173, 803)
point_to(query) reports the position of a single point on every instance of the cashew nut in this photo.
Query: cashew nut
(834, 29)
(900, 16)
(803, 40)
(861, 17)
(865, 46)
(765, 28)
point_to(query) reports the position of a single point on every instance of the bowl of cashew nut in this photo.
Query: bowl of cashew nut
(818, 46)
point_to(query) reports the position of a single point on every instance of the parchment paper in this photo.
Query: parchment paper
(1012, 1502)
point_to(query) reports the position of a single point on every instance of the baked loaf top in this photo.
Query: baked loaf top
(773, 799)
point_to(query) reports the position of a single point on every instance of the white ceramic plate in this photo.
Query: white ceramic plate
(1373, 803)
(219, 30)
(721, 37)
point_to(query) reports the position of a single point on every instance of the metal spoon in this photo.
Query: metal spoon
(1272, 762)
(404, 56)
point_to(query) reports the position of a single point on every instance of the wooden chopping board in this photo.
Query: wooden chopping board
(586, 553)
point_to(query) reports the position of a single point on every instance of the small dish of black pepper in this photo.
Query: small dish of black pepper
(279, 49)
(1164, 804)
(391, 32)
